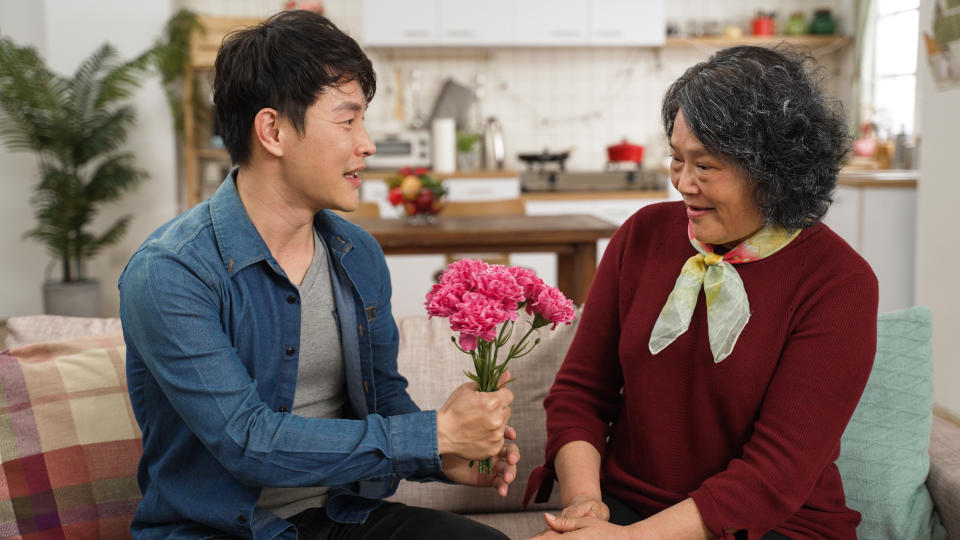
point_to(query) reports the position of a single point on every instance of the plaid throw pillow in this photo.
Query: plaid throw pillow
(69, 444)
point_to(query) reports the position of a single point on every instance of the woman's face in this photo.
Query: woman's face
(719, 196)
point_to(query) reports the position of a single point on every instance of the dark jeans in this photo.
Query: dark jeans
(393, 521)
(622, 514)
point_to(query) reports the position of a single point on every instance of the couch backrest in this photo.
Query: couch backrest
(434, 367)
(48, 328)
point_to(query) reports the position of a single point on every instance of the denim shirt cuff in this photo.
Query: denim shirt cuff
(413, 438)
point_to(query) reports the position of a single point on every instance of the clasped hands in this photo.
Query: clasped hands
(472, 425)
(583, 518)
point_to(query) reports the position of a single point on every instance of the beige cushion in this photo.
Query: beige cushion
(944, 479)
(434, 367)
(44, 328)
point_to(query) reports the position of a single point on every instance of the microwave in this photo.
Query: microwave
(408, 148)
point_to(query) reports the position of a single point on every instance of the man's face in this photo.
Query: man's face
(321, 165)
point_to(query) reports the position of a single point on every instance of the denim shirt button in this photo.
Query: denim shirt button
(291, 351)
(291, 299)
(283, 408)
(242, 518)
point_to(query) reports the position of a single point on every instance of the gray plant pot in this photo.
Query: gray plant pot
(74, 299)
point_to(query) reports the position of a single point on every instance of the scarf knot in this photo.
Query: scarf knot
(728, 309)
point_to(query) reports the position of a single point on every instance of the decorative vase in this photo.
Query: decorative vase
(72, 299)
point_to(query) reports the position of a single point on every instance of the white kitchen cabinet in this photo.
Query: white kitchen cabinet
(509, 23)
(876, 213)
(627, 22)
(551, 22)
(393, 23)
(468, 22)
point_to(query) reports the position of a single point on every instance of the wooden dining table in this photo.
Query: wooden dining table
(572, 237)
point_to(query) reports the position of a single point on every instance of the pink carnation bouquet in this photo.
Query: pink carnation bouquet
(483, 302)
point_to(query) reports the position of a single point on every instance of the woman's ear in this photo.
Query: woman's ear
(266, 129)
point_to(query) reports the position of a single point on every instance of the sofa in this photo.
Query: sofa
(69, 445)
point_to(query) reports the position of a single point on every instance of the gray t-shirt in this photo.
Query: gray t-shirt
(321, 390)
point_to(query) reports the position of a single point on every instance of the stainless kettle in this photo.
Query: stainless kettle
(494, 153)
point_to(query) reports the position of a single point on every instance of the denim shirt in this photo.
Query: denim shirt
(212, 327)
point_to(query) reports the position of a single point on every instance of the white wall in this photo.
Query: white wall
(65, 32)
(938, 193)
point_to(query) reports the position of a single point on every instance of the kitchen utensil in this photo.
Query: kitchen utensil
(494, 153)
(453, 101)
(399, 108)
(543, 158)
(625, 151)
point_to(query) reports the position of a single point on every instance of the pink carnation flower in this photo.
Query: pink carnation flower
(531, 284)
(477, 316)
(443, 298)
(497, 283)
(553, 306)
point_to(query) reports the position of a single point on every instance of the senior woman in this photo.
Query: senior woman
(726, 339)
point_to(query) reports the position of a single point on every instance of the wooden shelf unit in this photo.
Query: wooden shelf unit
(203, 51)
(818, 44)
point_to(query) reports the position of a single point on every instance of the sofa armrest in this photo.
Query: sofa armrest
(943, 482)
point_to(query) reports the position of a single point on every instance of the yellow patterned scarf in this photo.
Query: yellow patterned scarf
(727, 307)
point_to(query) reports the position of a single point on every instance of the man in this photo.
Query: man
(261, 347)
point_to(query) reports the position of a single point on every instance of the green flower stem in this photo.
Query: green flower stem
(487, 371)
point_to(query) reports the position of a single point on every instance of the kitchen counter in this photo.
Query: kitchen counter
(593, 195)
(473, 175)
(882, 178)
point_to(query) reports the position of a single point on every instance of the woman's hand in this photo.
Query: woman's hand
(505, 462)
(581, 506)
(581, 528)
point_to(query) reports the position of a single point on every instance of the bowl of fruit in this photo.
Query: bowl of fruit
(418, 196)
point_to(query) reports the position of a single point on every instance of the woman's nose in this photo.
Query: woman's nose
(684, 181)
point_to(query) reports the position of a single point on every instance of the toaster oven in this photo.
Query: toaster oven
(408, 148)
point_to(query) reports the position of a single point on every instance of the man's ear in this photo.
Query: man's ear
(266, 129)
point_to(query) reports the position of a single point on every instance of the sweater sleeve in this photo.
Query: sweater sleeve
(822, 371)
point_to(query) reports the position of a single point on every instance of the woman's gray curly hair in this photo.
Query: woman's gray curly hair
(760, 110)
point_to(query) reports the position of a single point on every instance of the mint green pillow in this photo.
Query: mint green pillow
(883, 452)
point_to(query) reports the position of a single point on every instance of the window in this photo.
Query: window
(892, 94)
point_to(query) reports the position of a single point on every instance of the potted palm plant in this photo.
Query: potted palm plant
(77, 127)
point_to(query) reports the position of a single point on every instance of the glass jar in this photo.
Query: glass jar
(822, 22)
(796, 24)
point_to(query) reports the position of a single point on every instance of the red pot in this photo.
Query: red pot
(625, 151)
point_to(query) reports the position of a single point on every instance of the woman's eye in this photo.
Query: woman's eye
(702, 166)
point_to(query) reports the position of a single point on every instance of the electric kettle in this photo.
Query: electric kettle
(494, 153)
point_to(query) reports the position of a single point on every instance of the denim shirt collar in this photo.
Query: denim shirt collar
(239, 241)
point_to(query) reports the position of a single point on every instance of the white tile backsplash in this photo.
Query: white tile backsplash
(558, 98)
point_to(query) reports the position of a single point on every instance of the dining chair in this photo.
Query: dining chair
(497, 207)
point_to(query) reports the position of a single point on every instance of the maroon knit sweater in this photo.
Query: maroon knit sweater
(752, 439)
